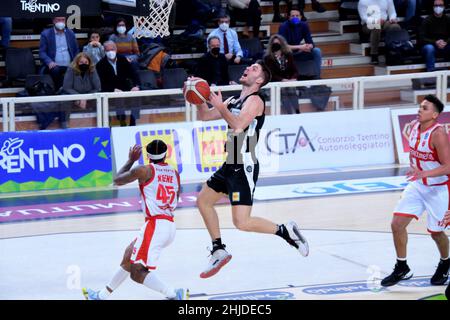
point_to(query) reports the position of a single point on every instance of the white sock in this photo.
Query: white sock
(119, 277)
(445, 259)
(152, 281)
(401, 259)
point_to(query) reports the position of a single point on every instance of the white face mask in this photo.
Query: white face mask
(121, 30)
(438, 10)
(111, 55)
(60, 25)
(224, 26)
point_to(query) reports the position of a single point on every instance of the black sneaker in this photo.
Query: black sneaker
(399, 274)
(441, 275)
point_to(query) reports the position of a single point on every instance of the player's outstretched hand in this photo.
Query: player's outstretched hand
(414, 174)
(135, 153)
(216, 100)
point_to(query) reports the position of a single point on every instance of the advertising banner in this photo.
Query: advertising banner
(286, 143)
(327, 140)
(48, 8)
(57, 159)
(401, 121)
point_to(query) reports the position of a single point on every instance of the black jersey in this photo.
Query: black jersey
(244, 143)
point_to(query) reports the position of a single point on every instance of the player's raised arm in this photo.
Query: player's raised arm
(126, 174)
(253, 107)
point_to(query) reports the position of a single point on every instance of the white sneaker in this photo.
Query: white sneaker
(298, 239)
(90, 294)
(219, 258)
(182, 294)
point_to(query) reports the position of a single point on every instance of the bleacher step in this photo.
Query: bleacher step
(347, 71)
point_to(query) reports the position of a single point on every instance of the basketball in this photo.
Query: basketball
(196, 91)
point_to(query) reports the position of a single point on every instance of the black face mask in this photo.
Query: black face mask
(83, 67)
(276, 47)
(215, 51)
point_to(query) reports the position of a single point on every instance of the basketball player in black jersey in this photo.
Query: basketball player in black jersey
(238, 175)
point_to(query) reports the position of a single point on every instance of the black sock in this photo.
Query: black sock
(282, 232)
(217, 244)
(402, 263)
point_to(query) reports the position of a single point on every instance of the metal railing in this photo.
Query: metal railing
(358, 87)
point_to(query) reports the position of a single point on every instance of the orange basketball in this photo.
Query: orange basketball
(196, 91)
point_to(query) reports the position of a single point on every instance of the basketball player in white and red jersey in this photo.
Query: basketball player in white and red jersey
(237, 177)
(159, 186)
(428, 190)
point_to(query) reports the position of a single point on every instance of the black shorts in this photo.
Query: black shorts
(236, 180)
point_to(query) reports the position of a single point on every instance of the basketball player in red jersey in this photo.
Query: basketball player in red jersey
(447, 223)
(238, 175)
(428, 190)
(159, 185)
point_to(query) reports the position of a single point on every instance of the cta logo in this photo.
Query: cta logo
(265, 295)
(13, 159)
(280, 143)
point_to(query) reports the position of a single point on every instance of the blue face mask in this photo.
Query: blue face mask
(295, 20)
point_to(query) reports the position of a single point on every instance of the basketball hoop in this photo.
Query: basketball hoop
(156, 23)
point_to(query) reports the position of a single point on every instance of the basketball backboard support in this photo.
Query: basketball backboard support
(130, 7)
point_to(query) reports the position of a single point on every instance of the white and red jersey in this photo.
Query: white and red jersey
(422, 155)
(159, 194)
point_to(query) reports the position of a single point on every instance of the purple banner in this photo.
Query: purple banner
(83, 208)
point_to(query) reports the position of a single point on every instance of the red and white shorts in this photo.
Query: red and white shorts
(157, 233)
(417, 198)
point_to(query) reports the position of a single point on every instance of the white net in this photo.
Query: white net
(156, 23)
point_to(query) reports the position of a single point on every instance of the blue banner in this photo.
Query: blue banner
(57, 159)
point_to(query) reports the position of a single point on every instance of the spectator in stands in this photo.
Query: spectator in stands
(229, 42)
(6, 28)
(94, 48)
(409, 7)
(58, 46)
(435, 35)
(295, 31)
(213, 66)
(377, 16)
(117, 75)
(81, 78)
(280, 61)
(126, 43)
(248, 11)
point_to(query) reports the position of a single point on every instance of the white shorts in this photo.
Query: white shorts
(417, 198)
(154, 235)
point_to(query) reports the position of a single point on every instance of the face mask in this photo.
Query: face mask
(295, 20)
(276, 47)
(121, 30)
(438, 10)
(224, 26)
(83, 67)
(60, 25)
(215, 51)
(111, 55)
